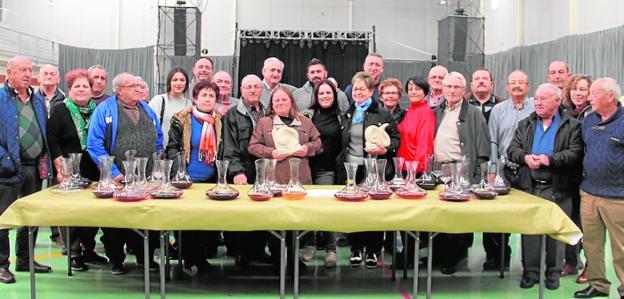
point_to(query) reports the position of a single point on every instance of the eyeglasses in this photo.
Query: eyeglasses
(131, 85)
(388, 93)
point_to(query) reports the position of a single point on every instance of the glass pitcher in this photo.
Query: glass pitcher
(464, 175)
(157, 171)
(75, 176)
(66, 173)
(141, 179)
(351, 192)
(294, 190)
(411, 190)
(181, 180)
(165, 182)
(222, 191)
(427, 181)
(105, 186)
(270, 178)
(501, 184)
(260, 191)
(129, 175)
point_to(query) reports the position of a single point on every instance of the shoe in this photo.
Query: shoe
(153, 266)
(371, 260)
(356, 258)
(527, 282)
(64, 250)
(582, 279)
(330, 259)
(308, 253)
(493, 265)
(23, 266)
(568, 270)
(94, 258)
(117, 269)
(589, 292)
(6, 276)
(552, 281)
(77, 264)
(448, 270)
(241, 261)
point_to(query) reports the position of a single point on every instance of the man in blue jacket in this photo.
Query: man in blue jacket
(24, 156)
(123, 122)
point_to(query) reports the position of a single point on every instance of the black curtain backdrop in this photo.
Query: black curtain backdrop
(343, 59)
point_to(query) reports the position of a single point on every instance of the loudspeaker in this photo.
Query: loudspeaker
(460, 35)
(179, 31)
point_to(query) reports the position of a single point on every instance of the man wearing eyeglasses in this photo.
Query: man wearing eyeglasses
(123, 122)
(461, 131)
(548, 148)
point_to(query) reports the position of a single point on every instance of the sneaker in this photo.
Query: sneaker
(371, 260)
(356, 258)
(77, 264)
(309, 253)
(330, 259)
(117, 269)
(94, 258)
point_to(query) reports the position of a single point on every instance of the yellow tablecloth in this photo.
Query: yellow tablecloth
(517, 212)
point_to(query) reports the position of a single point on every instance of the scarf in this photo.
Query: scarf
(358, 115)
(76, 112)
(208, 139)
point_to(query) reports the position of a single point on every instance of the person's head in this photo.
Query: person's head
(283, 103)
(99, 76)
(558, 73)
(205, 94)
(436, 76)
(316, 71)
(547, 100)
(19, 72)
(374, 65)
(363, 86)
(325, 95)
(49, 76)
(604, 94)
(177, 81)
(518, 85)
(202, 70)
(578, 90)
(142, 88)
(454, 88)
(79, 86)
(272, 71)
(251, 89)
(125, 86)
(390, 91)
(224, 81)
(482, 82)
(417, 88)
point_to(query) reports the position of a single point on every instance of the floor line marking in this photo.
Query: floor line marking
(397, 283)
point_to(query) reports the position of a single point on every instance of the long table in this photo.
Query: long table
(517, 212)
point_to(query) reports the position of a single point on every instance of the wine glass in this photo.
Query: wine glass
(446, 174)
(66, 173)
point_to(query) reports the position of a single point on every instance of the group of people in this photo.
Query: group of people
(564, 144)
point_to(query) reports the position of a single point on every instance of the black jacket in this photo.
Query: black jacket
(238, 127)
(566, 163)
(374, 115)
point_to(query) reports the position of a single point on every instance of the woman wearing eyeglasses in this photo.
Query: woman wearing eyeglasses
(390, 91)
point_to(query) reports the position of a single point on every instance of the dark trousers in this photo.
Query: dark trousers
(76, 234)
(30, 183)
(492, 245)
(555, 250)
(250, 244)
(449, 249)
(88, 239)
(115, 238)
(197, 245)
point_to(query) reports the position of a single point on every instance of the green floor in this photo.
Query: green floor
(228, 281)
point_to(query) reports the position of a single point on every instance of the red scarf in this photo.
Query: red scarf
(208, 139)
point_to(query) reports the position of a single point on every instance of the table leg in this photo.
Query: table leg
(282, 237)
(405, 256)
(416, 236)
(394, 255)
(298, 237)
(502, 257)
(163, 290)
(31, 262)
(542, 266)
(146, 259)
(430, 263)
(67, 249)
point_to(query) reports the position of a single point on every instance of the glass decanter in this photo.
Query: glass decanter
(157, 171)
(427, 181)
(464, 174)
(105, 186)
(411, 190)
(77, 179)
(130, 155)
(380, 189)
(370, 164)
(66, 173)
(398, 181)
(260, 191)
(141, 179)
(270, 178)
(484, 189)
(129, 175)
(165, 190)
(351, 192)
(501, 185)
(181, 180)
(222, 191)
(294, 190)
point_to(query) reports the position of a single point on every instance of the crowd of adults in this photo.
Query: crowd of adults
(565, 144)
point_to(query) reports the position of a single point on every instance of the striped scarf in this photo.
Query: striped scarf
(208, 138)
